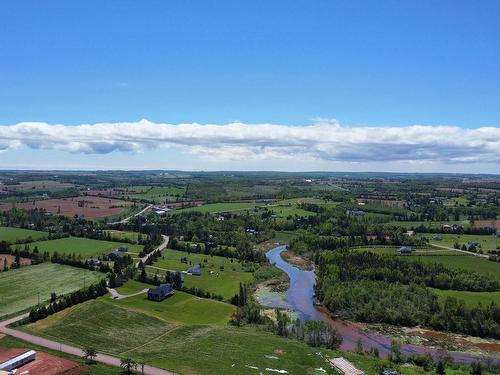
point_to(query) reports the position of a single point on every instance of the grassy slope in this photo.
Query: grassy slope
(464, 262)
(470, 298)
(120, 235)
(11, 234)
(188, 348)
(226, 283)
(488, 242)
(19, 288)
(81, 246)
(181, 307)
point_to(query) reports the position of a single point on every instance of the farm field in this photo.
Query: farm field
(11, 234)
(418, 252)
(132, 286)
(191, 348)
(224, 281)
(84, 247)
(46, 185)
(431, 224)
(487, 223)
(20, 288)
(158, 194)
(219, 349)
(121, 235)
(221, 207)
(181, 307)
(488, 242)
(88, 207)
(286, 211)
(470, 298)
(464, 262)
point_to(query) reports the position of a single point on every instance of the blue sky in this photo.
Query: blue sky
(364, 63)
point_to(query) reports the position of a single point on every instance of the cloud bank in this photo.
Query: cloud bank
(326, 140)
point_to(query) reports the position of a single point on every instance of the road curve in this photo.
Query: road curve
(58, 346)
(124, 221)
(161, 247)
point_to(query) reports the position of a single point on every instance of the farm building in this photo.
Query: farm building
(115, 254)
(160, 293)
(405, 250)
(123, 249)
(18, 360)
(195, 270)
(344, 366)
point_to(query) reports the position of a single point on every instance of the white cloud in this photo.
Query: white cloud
(326, 140)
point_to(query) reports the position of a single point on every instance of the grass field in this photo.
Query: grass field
(470, 298)
(488, 242)
(418, 252)
(132, 286)
(159, 194)
(127, 235)
(221, 207)
(11, 234)
(464, 262)
(180, 308)
(431, 224)
(20, 288)
(193, 349)
(81, 246)
(223, 281)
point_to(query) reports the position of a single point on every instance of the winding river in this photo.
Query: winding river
(301, 300)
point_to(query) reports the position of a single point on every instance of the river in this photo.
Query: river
(300, 298)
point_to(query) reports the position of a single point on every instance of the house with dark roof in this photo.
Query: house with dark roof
(195, 270)
(115, 254)
(123, 249)
(405, 250)
(160, 293)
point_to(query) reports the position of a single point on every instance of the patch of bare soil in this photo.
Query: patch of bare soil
(297, 260)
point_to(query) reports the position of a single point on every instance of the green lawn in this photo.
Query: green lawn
(11, 234)
(132, 286)
(463, 262)
(488, 242)
(224, 282)
(20, 288)
(470, 298)
(180, 308)
(81, 246)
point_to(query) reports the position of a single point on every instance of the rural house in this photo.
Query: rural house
(160, 293)
(195, 270)
(405, 250)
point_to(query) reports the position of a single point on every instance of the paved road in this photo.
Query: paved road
(161, 247)
(124, 221)
(460, 250)
(54, 345)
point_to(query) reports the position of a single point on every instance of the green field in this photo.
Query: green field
(224, 282)
(132, 286)
(431, 224)
(118, 329)
(11, 234)
(488, 242)
(21, 288)
(418, 252)
(121, 330)
(158, 194)
(81, 246)
(180, 308)
(221, 207)
(470, 298)
(125, 235)
(463, 262)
